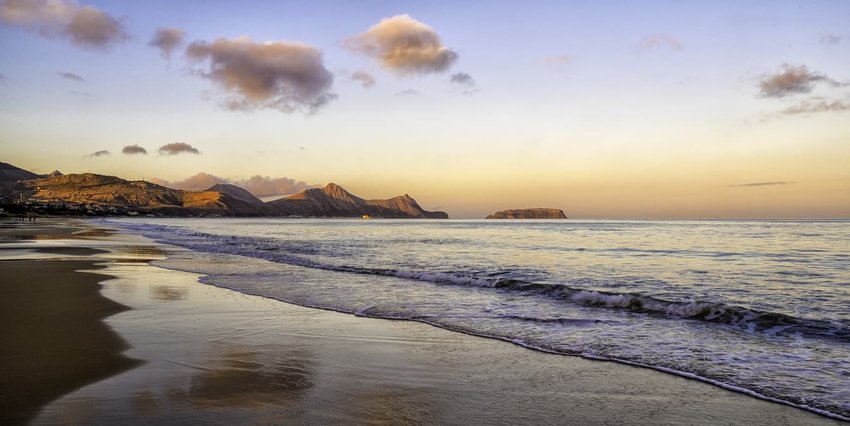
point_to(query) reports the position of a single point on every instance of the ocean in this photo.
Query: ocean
(759, 307)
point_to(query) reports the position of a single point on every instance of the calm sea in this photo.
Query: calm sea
(761, 307)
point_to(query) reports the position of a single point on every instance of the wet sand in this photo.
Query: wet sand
(53, 339)
(212, 355)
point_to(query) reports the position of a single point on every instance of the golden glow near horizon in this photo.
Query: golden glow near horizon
(658, 119)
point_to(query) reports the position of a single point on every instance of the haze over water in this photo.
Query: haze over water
(755, 306)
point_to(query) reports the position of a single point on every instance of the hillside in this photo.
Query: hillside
(90, 193)
(334, 201)
(89, 188)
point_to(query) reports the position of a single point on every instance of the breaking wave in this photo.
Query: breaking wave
(747, 319)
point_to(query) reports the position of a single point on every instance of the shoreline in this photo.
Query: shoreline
(46, 306)
(681, 374)
(175, 388)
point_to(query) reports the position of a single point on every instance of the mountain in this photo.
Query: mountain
(237, 193)
(334, 201)
(10, 173)
(89, 188)
(91, 193)
(534, 213)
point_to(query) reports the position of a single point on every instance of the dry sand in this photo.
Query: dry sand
(212, 355)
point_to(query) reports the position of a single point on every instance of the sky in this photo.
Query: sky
(605, 109)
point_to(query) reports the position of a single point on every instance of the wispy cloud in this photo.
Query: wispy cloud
(84, 26)
(751, 184)
(167, 40)
(809, 106)
(101, 153)
(792, 80)
(404, 45)
(133, 150)
(407, 92)
(364, 78)
(177, 148)
(830, 39)
(813, 106)
(260, 186)
(277, 75)
(659, 41)
(71, 76)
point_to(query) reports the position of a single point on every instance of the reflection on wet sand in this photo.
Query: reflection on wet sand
(383, 404)
(94, 232)
(138, 254)
(168, 293)
(242, 379)
(145, 403)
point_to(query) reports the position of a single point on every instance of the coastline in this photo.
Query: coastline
(212, 354)
(54, 340)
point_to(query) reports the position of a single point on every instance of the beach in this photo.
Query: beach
(95, 333)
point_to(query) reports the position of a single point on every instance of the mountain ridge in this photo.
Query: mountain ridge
(106, 194)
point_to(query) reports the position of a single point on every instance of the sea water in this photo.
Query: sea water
(760, 307)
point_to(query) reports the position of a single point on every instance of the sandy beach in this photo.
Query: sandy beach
(95, 334)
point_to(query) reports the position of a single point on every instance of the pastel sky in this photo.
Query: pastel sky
(601, 108)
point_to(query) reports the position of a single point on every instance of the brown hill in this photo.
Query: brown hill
(91, 188)
(238, 193)
(112, 195)
(534, 213)
(334, 201)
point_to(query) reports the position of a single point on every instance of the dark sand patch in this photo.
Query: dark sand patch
(68, 251)
(54, 340)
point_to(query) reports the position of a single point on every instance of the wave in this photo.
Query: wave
(747, 319)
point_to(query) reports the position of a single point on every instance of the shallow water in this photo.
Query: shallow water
(762, 307)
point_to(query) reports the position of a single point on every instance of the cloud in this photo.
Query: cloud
(557, 60)
(408, 92)
(198, 182)
(278, 75)
(167, 40)
(658, 41)
(462, 79)
(404, 45)
(71, 76)
(260, 186)
(465, 81)
(815, 105)
(264, 186)
(84, 26)
(177, 148)
(133, 150)
(791, 80)
(830, 39)
(751, 184)
(100, 153)
(364, 78)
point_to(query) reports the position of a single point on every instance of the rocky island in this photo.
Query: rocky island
(533, 213)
